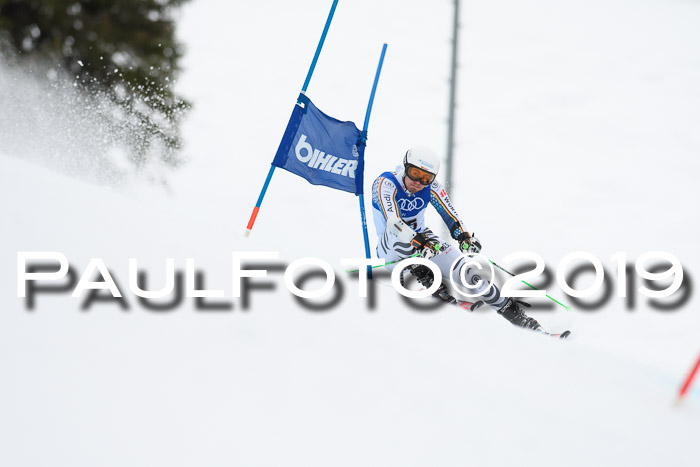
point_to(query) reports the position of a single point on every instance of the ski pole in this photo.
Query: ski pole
(385, 264)
(567, 308)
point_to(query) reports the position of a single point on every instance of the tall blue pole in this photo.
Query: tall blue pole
(320, 46)
(374, 89)
(363, 136)
(363, 218)
(256, 209)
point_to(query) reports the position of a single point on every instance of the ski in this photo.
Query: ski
(444, 295)
(469, 306)
(561, 335)
(421, 274)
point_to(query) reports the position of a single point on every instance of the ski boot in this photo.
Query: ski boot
(424, 276)
(512, 312)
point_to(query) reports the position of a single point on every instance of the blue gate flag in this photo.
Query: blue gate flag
(321, 149)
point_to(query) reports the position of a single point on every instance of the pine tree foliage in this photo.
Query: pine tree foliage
(124, 49)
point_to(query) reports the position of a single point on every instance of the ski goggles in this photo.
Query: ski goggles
(419, 175)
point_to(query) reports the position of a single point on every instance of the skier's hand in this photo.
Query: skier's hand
(474, 245)
(425, 246)
(468, 243)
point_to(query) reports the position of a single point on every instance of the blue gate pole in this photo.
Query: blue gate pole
(319, 47)
(363, 218)
(364, 140)
(256, 209)
(374, 89)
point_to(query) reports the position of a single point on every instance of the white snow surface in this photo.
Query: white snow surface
(577, 130)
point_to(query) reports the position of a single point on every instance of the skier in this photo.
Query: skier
(399, 201)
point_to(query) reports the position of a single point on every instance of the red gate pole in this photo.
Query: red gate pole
(687, 382)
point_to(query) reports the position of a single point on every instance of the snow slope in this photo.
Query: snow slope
(577, 131)
(282, 385)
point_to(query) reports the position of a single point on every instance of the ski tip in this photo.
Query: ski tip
(247, 233)
(565, 334)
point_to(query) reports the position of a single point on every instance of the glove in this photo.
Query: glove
(468, 243)
(425, 246)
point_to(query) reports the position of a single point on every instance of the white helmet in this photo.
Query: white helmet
(423, 158)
